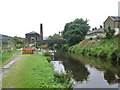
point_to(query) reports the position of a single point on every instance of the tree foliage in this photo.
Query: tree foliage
(75, 31)
(17, 40)
(109, 32)
(56, 36)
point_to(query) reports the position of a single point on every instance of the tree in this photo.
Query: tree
(109, 32)
(75, 31)
(55, 36)
(18, 42)
(15, 39)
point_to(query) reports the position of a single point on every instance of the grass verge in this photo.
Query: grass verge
(32, 71)
(7, 55)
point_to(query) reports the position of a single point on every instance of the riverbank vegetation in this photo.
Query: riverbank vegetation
(47, 54)
(33, 71)
(105, 48)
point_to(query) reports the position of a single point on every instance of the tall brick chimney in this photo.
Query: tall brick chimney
(41, 31)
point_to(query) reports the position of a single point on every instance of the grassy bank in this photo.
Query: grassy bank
(7, 55)
(105, 48)
(32, 71)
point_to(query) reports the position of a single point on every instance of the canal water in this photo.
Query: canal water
(88, 72)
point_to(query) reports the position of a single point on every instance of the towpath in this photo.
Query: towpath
(5, 68)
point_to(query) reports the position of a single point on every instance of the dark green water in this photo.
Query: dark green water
(88, 72)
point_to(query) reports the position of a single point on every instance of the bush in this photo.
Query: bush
(102, 55)
(49, 58)
(100, 36)
(91, 38)
(65, 47)
(47, 54)
(109, 32)
(64, 78)
(116, 55)
(18, 46)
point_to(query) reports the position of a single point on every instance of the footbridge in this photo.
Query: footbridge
(57, 41)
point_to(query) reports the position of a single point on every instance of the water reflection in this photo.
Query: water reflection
(78, 70)
(110, 77)
(59, 68)
(111, 68)
(90, 72)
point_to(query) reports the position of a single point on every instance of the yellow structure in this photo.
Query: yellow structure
(28, 50)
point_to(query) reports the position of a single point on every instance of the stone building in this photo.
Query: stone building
(113, 22)
(33, 37)
(6, 43)
(94, 33)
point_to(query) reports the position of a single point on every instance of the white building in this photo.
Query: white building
(95, 33)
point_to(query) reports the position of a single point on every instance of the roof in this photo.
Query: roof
(115, 18)
(100, 30)
(33, 32)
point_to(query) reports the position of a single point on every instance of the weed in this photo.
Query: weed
(104, 49)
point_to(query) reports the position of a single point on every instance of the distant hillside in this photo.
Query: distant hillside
(4, 36)
(8, 37)
(45, 37)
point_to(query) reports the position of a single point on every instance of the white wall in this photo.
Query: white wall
(116, 31)
(93, 35)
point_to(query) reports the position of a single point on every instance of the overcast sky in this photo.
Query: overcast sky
(18, 17)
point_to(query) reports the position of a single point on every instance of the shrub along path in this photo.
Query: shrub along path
(32, 71)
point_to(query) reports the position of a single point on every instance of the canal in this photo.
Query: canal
(88, 72)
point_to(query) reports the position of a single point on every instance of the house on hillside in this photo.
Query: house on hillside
(4, 39)
(6, 43)
(95, 32)
(113, 22)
